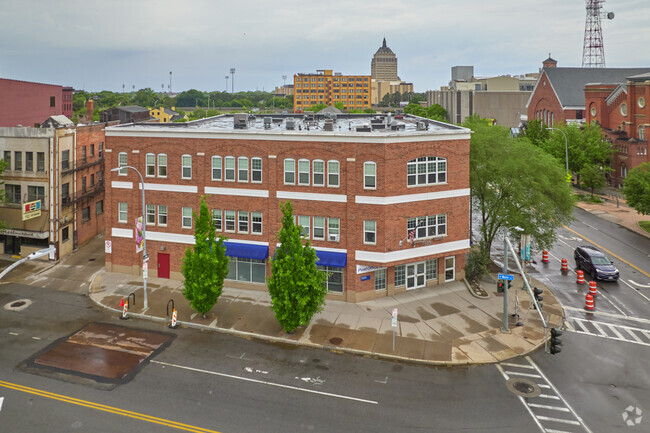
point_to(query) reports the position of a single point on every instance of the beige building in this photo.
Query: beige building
(383, 71)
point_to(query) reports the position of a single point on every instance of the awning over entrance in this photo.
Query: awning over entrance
(246, 251)
(329, 258)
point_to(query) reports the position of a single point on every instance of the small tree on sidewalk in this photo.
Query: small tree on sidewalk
(206, 265)
(297, 286)
(637, 188)
(593, 178)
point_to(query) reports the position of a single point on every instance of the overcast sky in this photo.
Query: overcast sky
(101, 45)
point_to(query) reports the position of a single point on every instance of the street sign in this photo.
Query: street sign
(506, 277)
(394, 322)
(145, 258)
(108, 247)
(365, 277)
(394, 314)
(145, 270)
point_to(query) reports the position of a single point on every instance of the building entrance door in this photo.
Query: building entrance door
(163, 265)
(415, 276)
(12, 245)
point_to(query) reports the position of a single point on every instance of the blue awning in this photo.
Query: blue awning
(246, 251)
(329, 258)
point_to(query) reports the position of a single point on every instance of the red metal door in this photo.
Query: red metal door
(163, 265)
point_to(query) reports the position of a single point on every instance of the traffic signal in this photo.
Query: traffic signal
(538, 297)
(556, 341)
(501, 285)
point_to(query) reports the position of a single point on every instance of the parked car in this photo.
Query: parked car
(595, 263)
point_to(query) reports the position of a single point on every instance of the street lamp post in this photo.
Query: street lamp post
(566, 147)
(145, 257)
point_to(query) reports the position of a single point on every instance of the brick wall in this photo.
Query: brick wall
(25, 103)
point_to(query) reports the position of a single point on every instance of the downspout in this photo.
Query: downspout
(54, 211)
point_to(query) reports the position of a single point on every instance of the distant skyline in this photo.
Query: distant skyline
(95, 46)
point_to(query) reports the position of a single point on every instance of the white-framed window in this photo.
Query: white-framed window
(369, 175)
(333, 229)
(333, 173)
(641, 132)
(230, 169)
(150, 159)
(216, 219)
(334, 280)
(186, 167)
(319, 172)
(162, 215)
(230, 220)
(319, 228)
(289, 171)
(432, 269)
(250, 270)
(216, 168)
(243, 169)
(122, 162)
(303, 221)
(426, 170)
(243, 222)
(426, 226)
(256, 223)
(370, 232)
(151, 214)
(187, 218)
(303, 172)
(380, 279)
(450, 269)
(122, 212)
(256, 170)
(162, 165)
(400, 275)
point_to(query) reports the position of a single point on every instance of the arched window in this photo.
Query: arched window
(318, 172)
(623, 170)
(216, 168)
(333, 173)
(426, 170)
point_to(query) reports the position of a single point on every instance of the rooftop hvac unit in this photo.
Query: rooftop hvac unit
(421, 126)
(364, 128)
(267, 123)
(240, 120)
(329, 125)
(309, 115)
(291, 124)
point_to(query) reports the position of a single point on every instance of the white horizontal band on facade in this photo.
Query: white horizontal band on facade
(408, 198)
(332, 250)
(410, 253)
(121, 185)
(121, 233)
(175, 238)
(169, 188)
(313, 196)
(241, 192)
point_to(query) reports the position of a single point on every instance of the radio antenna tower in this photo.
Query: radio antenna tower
(593, 48)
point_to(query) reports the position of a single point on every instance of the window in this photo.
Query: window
(216, 168)
(243, 222)
(319, 228)
(230, 168)
(186, 166)
(187, 218)
(151, 214)
(400, 276)
(369, 175)
(65, 190)
(8, 159)
(217, 219)
(289, 172)
(230, 220)
(380, 279)
(122, 212)
(65, 234)
(101, 149)
(151, 165)
(303, 221)
(83, 184)
(35, 193)
(319, 173)
(121, 162)
(12, 193)
(52, 101)
(85, 214)
(369, 232)
(303, 172)
(251, 270)
(40, 161)
(29, 161)
(641, 132)
(256, 170)
(18, 161)
(256, 221)
(432, 269)
(162, 215)
(162, 165)
(426, 170)
(333, 173)
(99, 207)
(92, 150)
(334, 281)
(450, 268)
(333, 229)
(426, 227)
(83, 154)
(242, 169)
(92, 180)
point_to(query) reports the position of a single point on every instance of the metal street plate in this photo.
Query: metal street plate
(506, 277)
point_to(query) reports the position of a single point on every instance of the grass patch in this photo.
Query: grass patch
(588, 198)
(645, 225)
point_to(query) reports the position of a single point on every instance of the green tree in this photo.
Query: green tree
(636, 188)
(297, 286)
(593, 177)
(191, 98)
(206, 265)
(145, 98)
(339, 105)
(515, 184)
(537, 133)
(316, 108)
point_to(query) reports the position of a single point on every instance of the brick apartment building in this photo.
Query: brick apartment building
(385, 203)
(30, 104)
(325, 87)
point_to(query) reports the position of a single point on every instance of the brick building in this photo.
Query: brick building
(29, 104)
(325, 87)
(385, 203)
(125, 114)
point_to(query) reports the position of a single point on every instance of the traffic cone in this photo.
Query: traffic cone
(589, 302)
(544, 256)
(581, 277)
(174, 325)
(592, 289)
(125, 307)
(565, 266)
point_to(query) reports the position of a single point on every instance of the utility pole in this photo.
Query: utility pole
(232, 80)
(227, 76)
(506, 283)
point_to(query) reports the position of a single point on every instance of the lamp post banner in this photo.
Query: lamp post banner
(139, 239)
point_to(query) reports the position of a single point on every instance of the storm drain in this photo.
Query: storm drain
(18, 305)
(336, 340)
(523, 387)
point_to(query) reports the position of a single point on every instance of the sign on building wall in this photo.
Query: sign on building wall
(361, 269)
(31, 210)
(108, 247)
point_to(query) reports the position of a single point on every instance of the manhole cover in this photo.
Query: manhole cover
(18, 305)
(336, 340)
(523, 387)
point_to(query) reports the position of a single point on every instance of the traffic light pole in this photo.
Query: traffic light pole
(505, 283)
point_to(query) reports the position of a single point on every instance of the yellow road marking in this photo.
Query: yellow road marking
(607, 251)
(104, 408)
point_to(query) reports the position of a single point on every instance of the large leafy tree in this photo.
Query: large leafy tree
(637, 188)
(297, 286)
(206, 265)
(593, 177)
(515, 184)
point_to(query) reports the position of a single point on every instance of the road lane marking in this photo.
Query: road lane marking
(614, 328)
(104, 408)
(607, 251)
(552, 397)
(521, 399)
(599, 329)
(601, 294)
(545, 406)
(645, 286)
(512, 364)
(635, 289)
(603, 313)
(264, 382)
(565, 421)
(517, 373)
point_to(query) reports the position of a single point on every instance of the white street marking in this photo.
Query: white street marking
(264, 382)
(616, 329)
(384, 382)
(579, 323)
(544, 406)
(550, 430)
(2, 399)
(589, 225)
(568, 326)
(516, 373)
(36, 338)
(645, 286)
(603, 313)
(552, 397)
(510, 364)
(600, 330)
(601, 294)
(633, 335)
(635, 289)
(250, 370)
(242, 357)
(13, 333)
(566, 421)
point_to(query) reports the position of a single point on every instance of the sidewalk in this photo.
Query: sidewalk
(443, 325)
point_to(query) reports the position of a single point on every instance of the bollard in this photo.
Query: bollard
(125, 307)
(581, 277)
(593, 289)
(565, 266)
(544, 256)
(589, 302)
(173, 323)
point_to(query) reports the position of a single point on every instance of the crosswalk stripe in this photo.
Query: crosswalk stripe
(554, 397)
(579, 323)
(544, 406)
(599, 329)
(550, 430)
(569, 326)
(647, 334)
(633, 335)
(565, 421)
(615, 331)
(543, 385)
(510, 364)
(517, 373)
